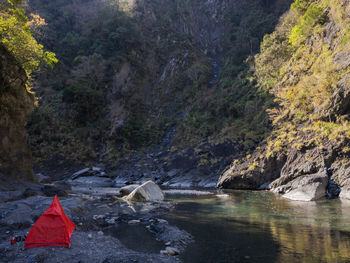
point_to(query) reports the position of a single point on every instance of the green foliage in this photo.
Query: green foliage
(86, 101)
(15, 35)
(314, 14)
(301, 5)
(297, 66)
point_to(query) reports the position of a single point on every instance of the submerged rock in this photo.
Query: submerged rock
(148, 191)
(186, 192)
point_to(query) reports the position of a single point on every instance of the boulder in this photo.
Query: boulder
(306, 188)
(93, 181)
(128, 189)
(149, 191)
(43, 179)
(50, 190)
(79, 173)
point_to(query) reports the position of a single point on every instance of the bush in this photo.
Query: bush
(314, 15)
(88, 102)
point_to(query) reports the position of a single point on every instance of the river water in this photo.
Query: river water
(245, 226)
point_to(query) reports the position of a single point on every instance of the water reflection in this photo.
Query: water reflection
(263, 227)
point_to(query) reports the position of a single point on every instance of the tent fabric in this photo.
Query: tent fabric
(52, 229)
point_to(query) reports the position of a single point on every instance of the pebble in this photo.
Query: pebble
(100, 233)
(89, 236)
(168, 243)
(7, 232)
(80, 224)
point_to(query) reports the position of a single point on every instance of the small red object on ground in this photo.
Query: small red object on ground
(53, 228)
(13, 240)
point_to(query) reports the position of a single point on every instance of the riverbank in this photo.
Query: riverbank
(199, 226)
(104, 221)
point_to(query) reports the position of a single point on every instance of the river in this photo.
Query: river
(244, 226)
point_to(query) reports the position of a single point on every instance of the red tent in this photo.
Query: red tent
(53, 228)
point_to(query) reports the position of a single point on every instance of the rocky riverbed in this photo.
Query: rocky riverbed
(103, 221)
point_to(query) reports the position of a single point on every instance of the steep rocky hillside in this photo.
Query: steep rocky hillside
(135, 74)
(304, 63)
(16, 104)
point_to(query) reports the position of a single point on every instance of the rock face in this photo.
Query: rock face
(304, 175)
(16, 103)
(148, 191)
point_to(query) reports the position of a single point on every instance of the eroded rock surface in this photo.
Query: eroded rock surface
(16, 104)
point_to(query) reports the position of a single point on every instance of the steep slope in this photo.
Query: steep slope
(140, 73)
(304, 63)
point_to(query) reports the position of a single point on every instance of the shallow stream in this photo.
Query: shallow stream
(243, 226)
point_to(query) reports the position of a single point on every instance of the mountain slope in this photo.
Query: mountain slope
(304, 63)
(131, 73)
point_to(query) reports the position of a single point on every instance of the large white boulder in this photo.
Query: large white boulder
(126, 190)
(149, 191)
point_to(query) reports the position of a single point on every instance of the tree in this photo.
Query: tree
(15, 35)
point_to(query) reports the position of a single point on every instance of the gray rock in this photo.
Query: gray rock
(186, 192)
(162, 221)
(43, 179)
(97, 191)
(128, 189)
(93, 181)
(134, 222)
(307, 188)
(80, 173)
(342, 58)
(21, 215)
(240, 175)
(98, 248)
(171, 251)
(345, 192)
(149, 191)
(340, 100)
(96, 169)
(50, 190)
(173, 172)
(110, 221)
(10, 195)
